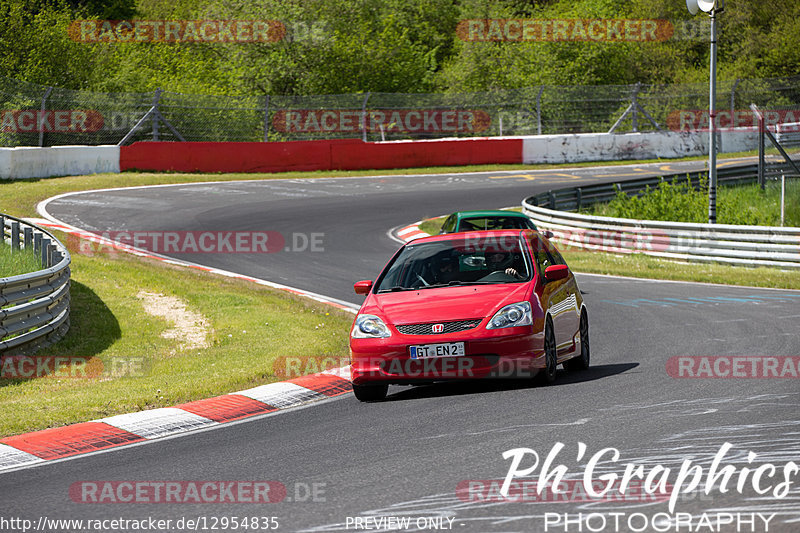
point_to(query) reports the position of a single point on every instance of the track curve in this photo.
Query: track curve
(407, 456)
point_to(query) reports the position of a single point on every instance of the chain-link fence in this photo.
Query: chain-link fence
(34, 115)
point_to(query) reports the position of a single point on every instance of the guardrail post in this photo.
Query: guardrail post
(783, 195)
(54, 255)
(761, 155)
(761, 134)
(45, 253)
(552, 199)
(37, 245)
(14, 236)
(364, 117)
(266, 118)
(156, 98)
(539, 110)
(42, 116)
(579, 197)
(2, 229)
(27, 232)
(733, 100)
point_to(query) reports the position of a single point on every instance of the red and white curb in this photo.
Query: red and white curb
(408, 233)
(30, 449)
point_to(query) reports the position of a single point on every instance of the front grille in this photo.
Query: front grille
(448, 327)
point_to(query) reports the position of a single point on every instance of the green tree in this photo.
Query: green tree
(35, 45)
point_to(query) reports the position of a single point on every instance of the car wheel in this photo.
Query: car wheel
(548, 375)
(370, 393)
(581, 362)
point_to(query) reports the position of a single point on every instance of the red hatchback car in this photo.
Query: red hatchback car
(485, 304)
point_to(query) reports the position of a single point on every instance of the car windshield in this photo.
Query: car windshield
(495, 222)
(477, 260)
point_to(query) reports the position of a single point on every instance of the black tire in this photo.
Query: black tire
(548, 374)
(581, 362)
(370, 393)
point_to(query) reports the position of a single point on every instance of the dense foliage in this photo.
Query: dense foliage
(385, 46)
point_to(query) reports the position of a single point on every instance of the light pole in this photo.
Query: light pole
(712, 7)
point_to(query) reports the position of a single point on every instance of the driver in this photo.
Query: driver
(502, 261)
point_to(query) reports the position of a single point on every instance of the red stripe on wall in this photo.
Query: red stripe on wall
(226, 157)
(346, 154)
(356, 155)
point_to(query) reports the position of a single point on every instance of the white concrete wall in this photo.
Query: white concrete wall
(32, 162)
(738, 140)
(5, 162)
(625, 146)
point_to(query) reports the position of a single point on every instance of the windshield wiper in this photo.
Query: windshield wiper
(453, 283)
(396, 288)
(476, 282)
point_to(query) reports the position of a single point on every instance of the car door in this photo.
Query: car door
(557, 296)
(571, 313)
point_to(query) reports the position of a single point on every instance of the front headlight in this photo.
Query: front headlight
(512, 315)
(369, 327)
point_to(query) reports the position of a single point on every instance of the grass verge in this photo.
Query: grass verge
(643, 266)
(16, 262)
(432, 226)
(253, 331)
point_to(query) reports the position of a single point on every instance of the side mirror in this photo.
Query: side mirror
(363, 287)
(555, 272)
(547, 233)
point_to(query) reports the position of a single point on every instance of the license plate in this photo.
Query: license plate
(426, 351)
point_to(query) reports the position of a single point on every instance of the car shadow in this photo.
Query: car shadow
(459, 388)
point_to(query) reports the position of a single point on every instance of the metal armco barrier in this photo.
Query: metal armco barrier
(34, 307)
(724, 243)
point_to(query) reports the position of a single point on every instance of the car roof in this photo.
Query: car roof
(489, 213)
(469, 235)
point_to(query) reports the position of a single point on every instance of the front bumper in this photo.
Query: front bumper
(514, 353)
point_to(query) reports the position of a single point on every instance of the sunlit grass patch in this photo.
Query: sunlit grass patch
(16, 262)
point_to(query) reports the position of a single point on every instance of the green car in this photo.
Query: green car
(484, 220)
